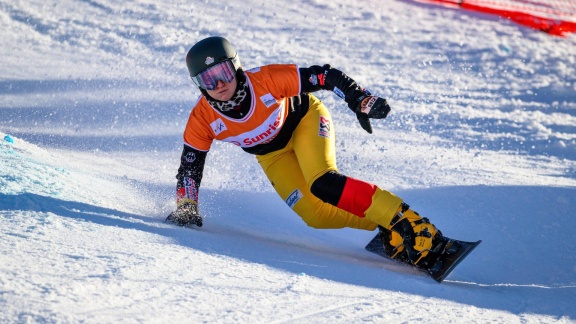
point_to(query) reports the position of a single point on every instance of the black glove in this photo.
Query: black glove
(371, 107)
(186, 214)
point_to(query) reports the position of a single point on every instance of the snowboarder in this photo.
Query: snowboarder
(270, 112)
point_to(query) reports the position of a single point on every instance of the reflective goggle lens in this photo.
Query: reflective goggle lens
(209, 78)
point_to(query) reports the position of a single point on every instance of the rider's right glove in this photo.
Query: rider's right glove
(186, 214)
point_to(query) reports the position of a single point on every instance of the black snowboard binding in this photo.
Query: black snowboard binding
(411, 238)
(414, 241)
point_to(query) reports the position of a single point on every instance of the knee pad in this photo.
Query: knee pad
(329, 187)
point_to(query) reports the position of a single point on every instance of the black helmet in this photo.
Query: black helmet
(208, 52)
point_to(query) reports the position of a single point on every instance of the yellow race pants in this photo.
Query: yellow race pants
(311, 153)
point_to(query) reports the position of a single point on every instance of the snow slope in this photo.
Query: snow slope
(95, 96)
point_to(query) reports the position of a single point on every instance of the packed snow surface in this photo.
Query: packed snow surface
(94, 96)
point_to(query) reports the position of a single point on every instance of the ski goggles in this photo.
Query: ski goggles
(208, 79)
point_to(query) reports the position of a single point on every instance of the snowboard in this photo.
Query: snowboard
(451, 253)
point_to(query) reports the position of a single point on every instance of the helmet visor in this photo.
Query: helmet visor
(208, 79)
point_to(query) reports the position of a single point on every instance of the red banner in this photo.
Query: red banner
(555, 21)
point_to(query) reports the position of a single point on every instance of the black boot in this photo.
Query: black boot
(411, 238)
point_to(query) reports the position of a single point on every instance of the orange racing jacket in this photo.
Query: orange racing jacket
(276, 101)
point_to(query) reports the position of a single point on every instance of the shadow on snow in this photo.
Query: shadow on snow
(522, 266)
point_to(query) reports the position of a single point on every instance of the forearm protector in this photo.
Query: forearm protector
(190, 174)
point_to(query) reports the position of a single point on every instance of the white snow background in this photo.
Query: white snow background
(95, 95)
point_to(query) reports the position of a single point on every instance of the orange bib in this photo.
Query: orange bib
(270, 87)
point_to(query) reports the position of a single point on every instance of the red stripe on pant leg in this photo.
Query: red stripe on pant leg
(356, 196)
